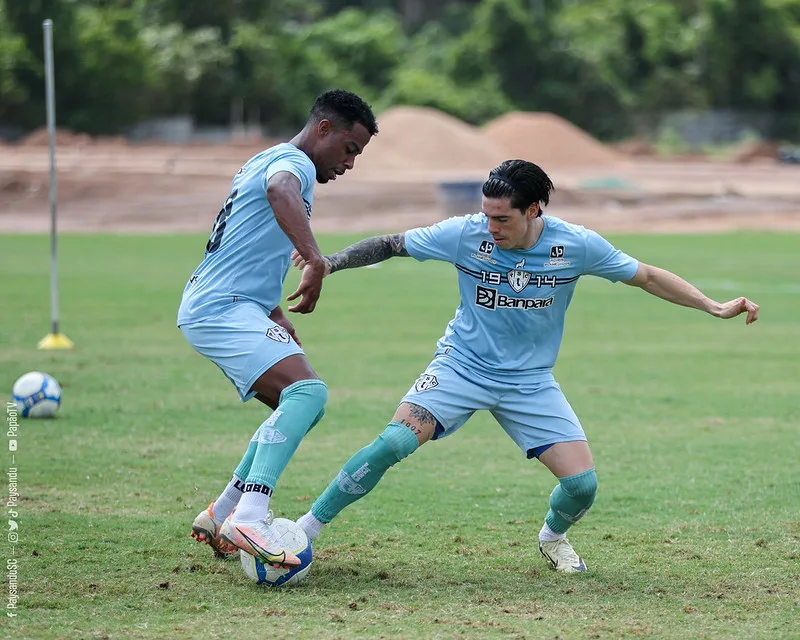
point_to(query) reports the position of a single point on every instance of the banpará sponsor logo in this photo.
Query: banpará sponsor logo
(492, 299)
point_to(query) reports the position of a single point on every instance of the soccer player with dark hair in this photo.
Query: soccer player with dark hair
(517, 271)
(230, 311)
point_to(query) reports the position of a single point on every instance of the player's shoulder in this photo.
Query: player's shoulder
(451, 224)
(283, 151)
(472, 223)
(558, 224)
(565, 241)
(568, 230)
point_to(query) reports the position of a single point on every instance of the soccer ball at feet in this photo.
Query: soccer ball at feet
(292, 538)
(37, 395)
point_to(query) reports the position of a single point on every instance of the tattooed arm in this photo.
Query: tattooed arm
(362, 253)
(369, 251)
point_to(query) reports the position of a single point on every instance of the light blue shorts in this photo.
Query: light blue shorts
(533, 414)
(243, 342)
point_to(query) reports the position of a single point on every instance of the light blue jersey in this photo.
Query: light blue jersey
(248, 254)
(510, 321)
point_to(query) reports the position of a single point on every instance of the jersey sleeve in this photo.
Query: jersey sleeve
(298, 164)
(437, 242)
(603, 260)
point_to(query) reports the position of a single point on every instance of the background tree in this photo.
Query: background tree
(602, 64)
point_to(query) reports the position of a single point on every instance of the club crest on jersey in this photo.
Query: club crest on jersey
(518, 279)
(278, 334)
(426, 381)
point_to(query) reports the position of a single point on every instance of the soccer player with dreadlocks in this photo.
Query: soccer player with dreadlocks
(517, 271)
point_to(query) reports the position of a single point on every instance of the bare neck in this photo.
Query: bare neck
(533, 235)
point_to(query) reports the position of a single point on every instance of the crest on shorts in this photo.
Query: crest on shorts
(426, 381)
(278, 334)
(518, 279)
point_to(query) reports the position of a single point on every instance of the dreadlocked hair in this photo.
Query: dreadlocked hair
(523, 182)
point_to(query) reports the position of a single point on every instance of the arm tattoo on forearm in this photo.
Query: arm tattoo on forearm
(369, 251)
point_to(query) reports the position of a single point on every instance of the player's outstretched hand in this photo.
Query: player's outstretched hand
(739, 306)
(309, 289)
(300, 262)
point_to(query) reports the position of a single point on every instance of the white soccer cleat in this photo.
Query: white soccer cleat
(257, 539)
(205, 529)
(561, 556)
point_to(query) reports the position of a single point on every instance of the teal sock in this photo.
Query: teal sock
(317, 419)
(301, 405)
(363, 471)
(571, 499)
(247, 460)
(243, 470)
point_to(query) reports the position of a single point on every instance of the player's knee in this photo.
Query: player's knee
(396, 442)
(581, 487)
(312, 393)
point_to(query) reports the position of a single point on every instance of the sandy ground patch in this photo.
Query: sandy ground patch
(160, 189)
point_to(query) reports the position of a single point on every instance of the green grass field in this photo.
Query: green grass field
(693, 422)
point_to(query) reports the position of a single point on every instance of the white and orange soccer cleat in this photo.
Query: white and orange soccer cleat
(257, 539)
(205, 529)
(561, 556)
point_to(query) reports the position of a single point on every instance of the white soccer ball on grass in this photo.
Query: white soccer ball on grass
(37, 395)
(293, 539)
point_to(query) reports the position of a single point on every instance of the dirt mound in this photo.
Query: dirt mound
(548, 140)
(754, 151)
(636, 148)
(108, 141)
(64, 137)
(424, 139)
(19, 182)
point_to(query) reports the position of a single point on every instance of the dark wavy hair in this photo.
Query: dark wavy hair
(344, 109)
(521, 181)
